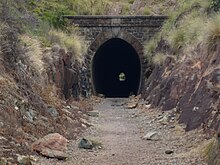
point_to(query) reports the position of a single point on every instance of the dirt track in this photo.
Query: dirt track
(121, 130)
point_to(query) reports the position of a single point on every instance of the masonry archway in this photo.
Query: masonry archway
(116, 69)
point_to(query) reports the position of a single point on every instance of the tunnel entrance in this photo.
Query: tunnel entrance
(116, 69)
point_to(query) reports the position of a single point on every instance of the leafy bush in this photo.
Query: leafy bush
(51, 11)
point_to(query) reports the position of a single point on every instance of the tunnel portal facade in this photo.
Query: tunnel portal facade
(115, 62)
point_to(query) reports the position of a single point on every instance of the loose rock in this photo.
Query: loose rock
(52, 145)
(26, 160)
(85, 122)
(52, 111)
(151, 136)
(131, 105)
(3, 161)
(1, 124)
(169, 152)
(54, 154)
(75, 107)
(133, 102)
(93, 113)
(85, 144)
(3, 138)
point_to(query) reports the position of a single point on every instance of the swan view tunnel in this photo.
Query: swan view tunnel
(116, 69)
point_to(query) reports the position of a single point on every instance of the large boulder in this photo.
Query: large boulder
(52, 145)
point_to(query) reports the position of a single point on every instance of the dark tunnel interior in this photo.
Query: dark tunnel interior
(116, 69)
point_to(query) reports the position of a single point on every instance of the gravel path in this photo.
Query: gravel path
(121, 130)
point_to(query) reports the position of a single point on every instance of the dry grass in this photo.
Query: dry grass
(34, 52)
(202, 150)
(212, 32)
(4, 45)
(207, 149)
(90, 7)
(71, 42)
(177, 39)
(159, 58)
(188, 31)
(194, 29)
(49, 94)
(150, 47)
(184, 29)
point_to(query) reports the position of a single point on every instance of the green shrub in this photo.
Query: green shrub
(147, 11)
(50, 12)
(125, 9)
(131, 1)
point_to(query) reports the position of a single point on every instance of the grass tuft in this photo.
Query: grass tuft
(212, 32)
(177, 39)
(159, 59)
(147, 11)
(185, 28)
(4, 41)
(34, 52)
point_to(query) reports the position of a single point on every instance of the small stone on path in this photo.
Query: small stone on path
(26, 160)
(169, 152)
(93, 113)
(154, 136)
(85, 144)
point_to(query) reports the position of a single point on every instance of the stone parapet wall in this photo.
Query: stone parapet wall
(117, 21)
(142, 27)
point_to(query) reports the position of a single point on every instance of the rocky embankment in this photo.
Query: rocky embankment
(32, 100)
(189, 86)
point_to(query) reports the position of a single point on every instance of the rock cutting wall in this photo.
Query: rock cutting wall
(190, 87)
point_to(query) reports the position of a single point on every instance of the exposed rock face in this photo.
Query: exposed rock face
(191, 85)
(52, 145)
(64, 71)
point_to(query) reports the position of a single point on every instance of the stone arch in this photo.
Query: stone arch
(124, 35)
(103, 37)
